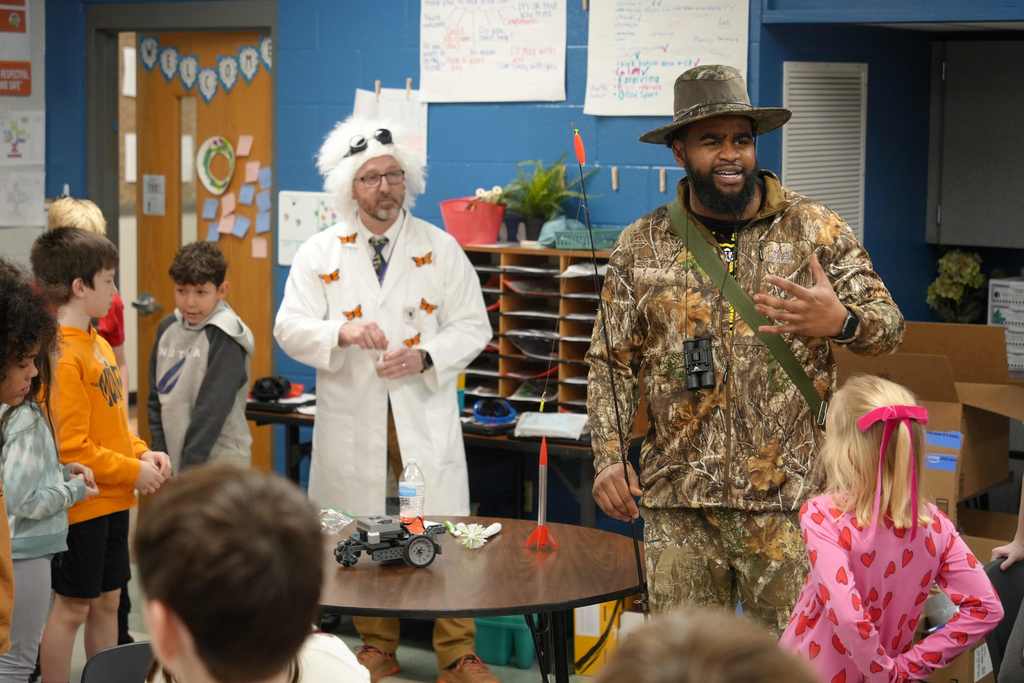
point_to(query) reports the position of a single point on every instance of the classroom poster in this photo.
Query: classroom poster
(22, 138)
(300, 215)
(498, 51)
(637, 49)
(22, 201)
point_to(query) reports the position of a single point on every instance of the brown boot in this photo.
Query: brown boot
(467, 669)
(380, 664)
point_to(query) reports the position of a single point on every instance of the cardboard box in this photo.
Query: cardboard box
(982, 531)
(960, 373)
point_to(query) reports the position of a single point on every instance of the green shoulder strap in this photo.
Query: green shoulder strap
(712, 264)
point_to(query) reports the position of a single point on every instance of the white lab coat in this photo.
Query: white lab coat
(349, 464)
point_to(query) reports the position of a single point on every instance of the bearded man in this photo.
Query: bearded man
(725, 467)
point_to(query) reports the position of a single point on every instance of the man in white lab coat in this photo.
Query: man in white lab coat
(388, 310)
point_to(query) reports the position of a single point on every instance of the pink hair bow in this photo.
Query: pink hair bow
(893, 416)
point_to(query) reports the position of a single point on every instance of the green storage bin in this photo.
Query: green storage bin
(604, 238)
(504, 640)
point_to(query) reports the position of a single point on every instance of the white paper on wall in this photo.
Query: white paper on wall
(393, 104)
(128, 87)
(300, 215)
(637, 49)
(498, 51)
(21, 197)
(131, 157)
(22, 138)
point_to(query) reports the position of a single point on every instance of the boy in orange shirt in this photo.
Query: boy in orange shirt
(90, 418)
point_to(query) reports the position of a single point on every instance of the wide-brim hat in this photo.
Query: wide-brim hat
(714, 90)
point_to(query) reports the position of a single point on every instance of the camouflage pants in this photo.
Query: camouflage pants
(724, 557)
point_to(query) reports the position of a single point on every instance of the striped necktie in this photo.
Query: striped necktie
(378, 242)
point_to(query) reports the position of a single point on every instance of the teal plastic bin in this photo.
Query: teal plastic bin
(504, 641)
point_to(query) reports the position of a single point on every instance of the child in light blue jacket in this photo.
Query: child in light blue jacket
(37, 488)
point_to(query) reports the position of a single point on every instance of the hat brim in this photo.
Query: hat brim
(766, 119)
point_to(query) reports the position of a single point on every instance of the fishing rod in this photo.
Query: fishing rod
(581, 160)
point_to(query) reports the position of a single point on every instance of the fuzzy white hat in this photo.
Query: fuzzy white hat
(339, 171)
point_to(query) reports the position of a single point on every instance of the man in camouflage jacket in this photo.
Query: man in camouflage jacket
(724, 470)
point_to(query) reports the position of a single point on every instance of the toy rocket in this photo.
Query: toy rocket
(541, 538)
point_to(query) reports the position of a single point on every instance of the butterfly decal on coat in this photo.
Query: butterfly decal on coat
(412, 341)
(348, 239)
(333, 276)
(356, 312)
(424, 260)
(427, 306)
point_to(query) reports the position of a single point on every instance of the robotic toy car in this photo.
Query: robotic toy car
(388, 540)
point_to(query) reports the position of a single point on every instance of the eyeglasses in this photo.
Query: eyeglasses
(372, 180)
(359, 143)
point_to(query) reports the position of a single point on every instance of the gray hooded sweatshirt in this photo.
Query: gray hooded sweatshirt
(199, 382)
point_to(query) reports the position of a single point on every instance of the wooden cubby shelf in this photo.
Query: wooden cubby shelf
(531, 298)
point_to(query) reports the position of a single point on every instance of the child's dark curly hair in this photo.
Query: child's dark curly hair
(199, 263)
(26, 326)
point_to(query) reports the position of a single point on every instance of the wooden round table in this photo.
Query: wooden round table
(503, 577)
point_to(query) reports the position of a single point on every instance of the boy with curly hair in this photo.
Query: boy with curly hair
(199, 368)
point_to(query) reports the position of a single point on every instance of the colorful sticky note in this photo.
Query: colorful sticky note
(246, 194)
(227, 204)
(252, 172)
(263, 200)
(259, 247)
(244, 146)
(227, 225)
(209, 209)
(241, 226)
(212, 232)
(266, 177)
(262, 222)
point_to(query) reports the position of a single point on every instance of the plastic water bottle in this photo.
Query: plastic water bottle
(411, 492)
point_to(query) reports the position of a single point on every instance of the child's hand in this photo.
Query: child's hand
(90, 487)
(158, 459)
(86, 473)
(150, 477)
(1012, 551)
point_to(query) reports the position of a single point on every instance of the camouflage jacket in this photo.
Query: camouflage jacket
(751, 442)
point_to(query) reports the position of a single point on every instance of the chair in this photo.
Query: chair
(122, 664)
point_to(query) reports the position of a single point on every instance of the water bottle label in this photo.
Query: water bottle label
(407, 491)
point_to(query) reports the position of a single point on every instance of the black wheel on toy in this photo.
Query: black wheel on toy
(419, 551)
(345, 554)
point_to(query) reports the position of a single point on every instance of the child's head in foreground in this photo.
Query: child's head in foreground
(231, 562)
(702, 645)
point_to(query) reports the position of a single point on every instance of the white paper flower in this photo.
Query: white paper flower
(496, 190)
(480, 193)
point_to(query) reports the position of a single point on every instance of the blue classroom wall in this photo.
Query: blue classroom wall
(896, 170)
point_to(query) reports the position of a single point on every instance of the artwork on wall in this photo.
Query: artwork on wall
(300, 215)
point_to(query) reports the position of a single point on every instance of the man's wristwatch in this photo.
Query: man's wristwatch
(425, 361)
(849, 330)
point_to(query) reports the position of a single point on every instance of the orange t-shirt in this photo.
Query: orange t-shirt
(90, 417)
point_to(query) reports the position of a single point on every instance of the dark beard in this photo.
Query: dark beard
(718, 202)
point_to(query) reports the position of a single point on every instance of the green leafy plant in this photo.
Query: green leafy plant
(539, 191)
(957, 294)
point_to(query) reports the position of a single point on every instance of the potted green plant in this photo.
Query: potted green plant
(537, 194)
(957, 294)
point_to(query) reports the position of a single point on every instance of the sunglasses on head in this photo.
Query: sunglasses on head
(359, 143)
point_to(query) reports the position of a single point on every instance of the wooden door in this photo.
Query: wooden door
(176, 114)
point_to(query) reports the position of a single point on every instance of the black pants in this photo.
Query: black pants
(1006, 641)
(124, 608)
